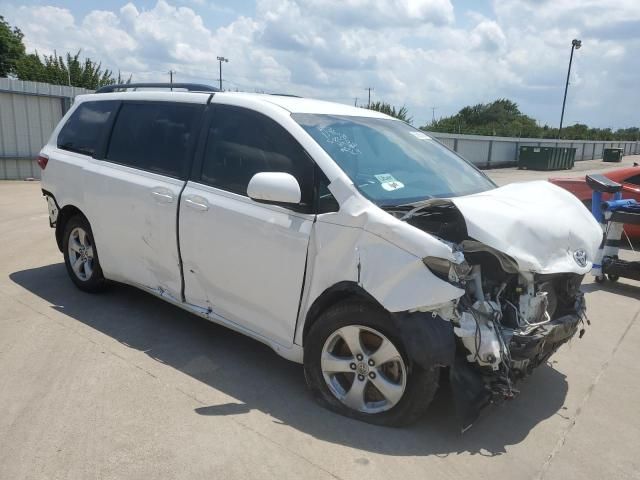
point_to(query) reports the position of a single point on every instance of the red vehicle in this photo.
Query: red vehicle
(628, 177)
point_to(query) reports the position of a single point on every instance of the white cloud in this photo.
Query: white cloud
(489, 37)
(412, 52)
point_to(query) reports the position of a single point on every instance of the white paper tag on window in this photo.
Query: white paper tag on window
(388, 182)
(420, 135)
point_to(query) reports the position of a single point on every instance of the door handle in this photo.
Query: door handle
(162, 196)
(197, 203)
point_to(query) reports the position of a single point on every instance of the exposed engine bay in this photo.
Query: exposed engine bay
(508, 322)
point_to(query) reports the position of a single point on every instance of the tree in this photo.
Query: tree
(11, 47)
(501, 117)
(72, 71)
(402, 113)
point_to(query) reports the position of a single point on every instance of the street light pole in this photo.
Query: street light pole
(220, 60)
(575, 45)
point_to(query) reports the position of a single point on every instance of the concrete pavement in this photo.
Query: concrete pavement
(122, 385)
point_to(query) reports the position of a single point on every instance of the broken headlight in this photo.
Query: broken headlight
(452, 272)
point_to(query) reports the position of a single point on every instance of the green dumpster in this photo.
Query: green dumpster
(612, 155)
(546, 158)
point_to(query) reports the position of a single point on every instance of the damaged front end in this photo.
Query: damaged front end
(509, 320)
(506, 325)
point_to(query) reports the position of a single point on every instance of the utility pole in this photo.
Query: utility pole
(369, 101)
(575, 45)
(355, 102)
(433, 114)
(171, 72)
(220, 60)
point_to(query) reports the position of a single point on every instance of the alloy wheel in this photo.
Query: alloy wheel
(81, 254)
(363, 369)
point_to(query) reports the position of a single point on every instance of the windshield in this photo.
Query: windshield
(390, 162)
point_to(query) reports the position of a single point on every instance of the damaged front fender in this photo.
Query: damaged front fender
(376, 251)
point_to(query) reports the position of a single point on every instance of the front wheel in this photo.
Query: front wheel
(355, 365)
(81, 256)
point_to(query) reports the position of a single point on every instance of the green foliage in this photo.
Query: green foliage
(503, 118)
(11, 47)
(402, 113)
(58, 71)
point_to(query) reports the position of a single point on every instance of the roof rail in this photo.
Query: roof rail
(191, 87)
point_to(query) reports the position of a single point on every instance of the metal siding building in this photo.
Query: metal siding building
(29, 111)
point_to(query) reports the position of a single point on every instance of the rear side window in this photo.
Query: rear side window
(155, 136)
(84, 129)
(241, 143)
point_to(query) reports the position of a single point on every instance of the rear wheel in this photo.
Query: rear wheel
(81, 256)
(355, 365)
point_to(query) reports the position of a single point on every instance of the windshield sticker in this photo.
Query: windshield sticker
(388, 182)
(420, 135)
(340, 140)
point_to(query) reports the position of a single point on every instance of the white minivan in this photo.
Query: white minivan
(344, 239)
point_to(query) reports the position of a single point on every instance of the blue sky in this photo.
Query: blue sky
(417, 53)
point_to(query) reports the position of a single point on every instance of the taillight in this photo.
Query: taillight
(42, 161)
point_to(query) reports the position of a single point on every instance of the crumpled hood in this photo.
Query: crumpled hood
(538, 224)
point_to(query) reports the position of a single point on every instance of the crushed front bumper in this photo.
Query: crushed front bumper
(475, 387)
(531, 350)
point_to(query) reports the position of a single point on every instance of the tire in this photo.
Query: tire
(81, 255)
(413, 386)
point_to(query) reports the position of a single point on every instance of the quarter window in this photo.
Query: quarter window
(241, 143)
(155, 136)
(82, 133)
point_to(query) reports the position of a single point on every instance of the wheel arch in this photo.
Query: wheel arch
(67, 212)
(427, 338)
(339, 292)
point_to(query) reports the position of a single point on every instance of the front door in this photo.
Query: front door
(243, 259)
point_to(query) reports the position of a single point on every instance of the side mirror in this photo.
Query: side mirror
(274, 187)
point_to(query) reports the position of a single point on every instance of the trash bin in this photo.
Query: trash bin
(612, 155)
(546, 158)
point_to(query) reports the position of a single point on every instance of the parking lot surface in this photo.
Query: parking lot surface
(123, 385)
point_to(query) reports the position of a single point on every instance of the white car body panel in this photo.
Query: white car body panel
(244, 260)
(133, 216)
(523, 221)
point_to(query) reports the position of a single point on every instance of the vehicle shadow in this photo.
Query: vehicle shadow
(619, 287)
(259, 379)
